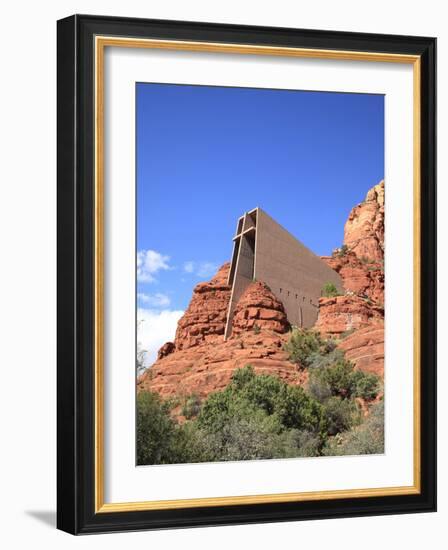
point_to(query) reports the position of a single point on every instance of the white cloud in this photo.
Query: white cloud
(149, 262)
(154, 328)
(201, 269)
(155, 300)
(189, 267)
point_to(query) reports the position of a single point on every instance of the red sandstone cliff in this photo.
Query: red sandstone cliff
(204, 320)
(364, 229)
(360, 263)
(365, 347)
(258, 309)
(200, 361)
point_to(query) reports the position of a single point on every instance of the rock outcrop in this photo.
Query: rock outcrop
(362, 277)
(205, 318)
(365, 347)
(258, 309)
(201, 362)
(343, 314)
(360, 263)
(364, 229)
(207, 368)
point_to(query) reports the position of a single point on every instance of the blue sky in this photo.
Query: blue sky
(206, 154)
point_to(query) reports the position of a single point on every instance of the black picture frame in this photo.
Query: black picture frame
(76, 270)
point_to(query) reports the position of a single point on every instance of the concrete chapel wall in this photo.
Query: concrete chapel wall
(265, 251)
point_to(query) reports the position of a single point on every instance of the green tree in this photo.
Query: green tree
(341, 414)
(249, 392)
(342, 251)
(329, 290)
(340, 379)
(367, 438)
(259, 416)
(191, 406)
(155, 430)
(254, 415)
(303, 346)
(367, 385)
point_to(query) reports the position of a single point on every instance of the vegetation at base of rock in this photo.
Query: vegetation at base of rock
(249, 395)
(341, 414)
(191, 406)
(155, 430)
(339, 379)
(254, 417)
(329, 290)
(367, 438)
(330, 374)
(303, 345)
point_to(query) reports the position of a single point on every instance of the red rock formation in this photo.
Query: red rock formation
(364, 278)
(165, 350)
(345, 313)
(365, 348)
(364, 229)
(205, 318)
(203, 362)
(360, 263)
(207, 368)
(257, 309)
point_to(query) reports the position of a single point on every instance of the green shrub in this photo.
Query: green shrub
(192, 406)
(302, 443)
(318, 388)
(341, 380)
(246, 438)
(189, 445)
(256, 329)
(341, 414)
(249, 393)
(367, 438)
(342, 251)
(367, 386)
(303, 345)
(155, 429)
(296, 409)
(258, 416)
(329, 290)
(317, 360)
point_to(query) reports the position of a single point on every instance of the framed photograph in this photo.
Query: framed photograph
(246, 274)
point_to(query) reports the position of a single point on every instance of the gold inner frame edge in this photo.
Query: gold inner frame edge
(101, 42)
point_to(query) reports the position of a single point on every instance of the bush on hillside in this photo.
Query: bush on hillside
(342, 251)
(248, 394)
(367, 438)
(191, 406)
(303, 345)
(329, 290)
(341, 414)
(257, 416)
(341, 380)
(155, 430)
